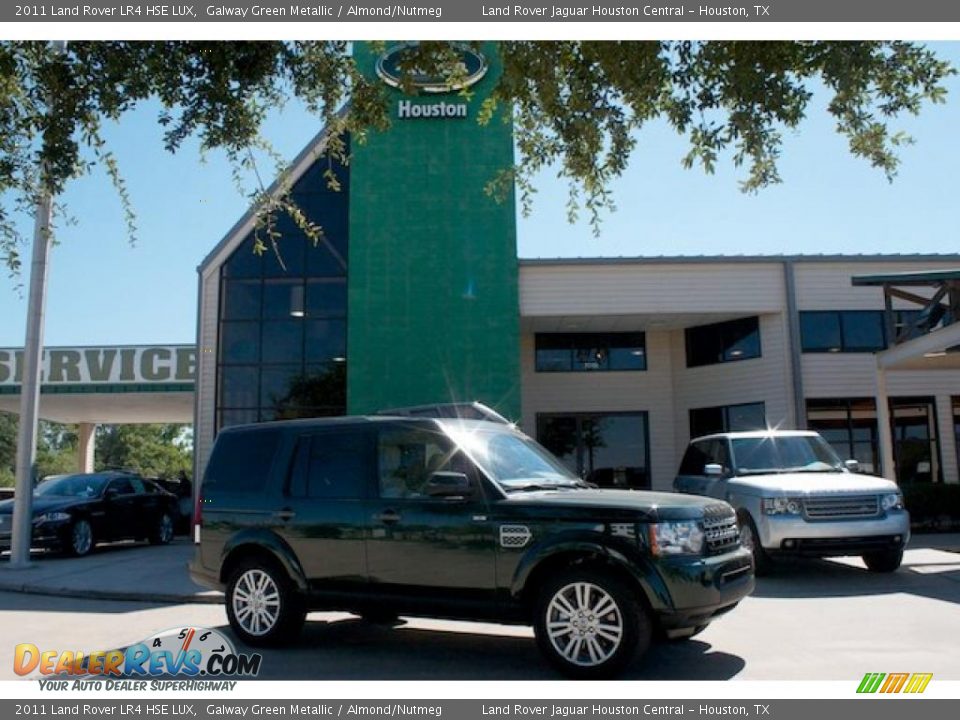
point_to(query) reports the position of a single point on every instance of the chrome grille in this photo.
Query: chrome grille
(720, 529)
(836, 508)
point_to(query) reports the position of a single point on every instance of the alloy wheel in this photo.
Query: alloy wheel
(584, 624)
(81, 539)
(256, 602)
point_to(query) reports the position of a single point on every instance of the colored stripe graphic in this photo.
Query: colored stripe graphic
(918, 682)
(894, 682)
(870, 682)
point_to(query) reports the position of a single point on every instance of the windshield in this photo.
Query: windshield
(773, 454)
(85, 486)
(514, 461)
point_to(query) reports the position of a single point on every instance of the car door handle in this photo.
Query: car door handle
(285, 514)
(388, 517)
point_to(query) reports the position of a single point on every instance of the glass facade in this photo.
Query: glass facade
(727, 418)
(723, 342)
(283, 335)
(850, 426)
(575, 352)
(610, 450)
(915, 439)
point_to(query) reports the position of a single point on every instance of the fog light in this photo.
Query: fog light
(788, 543)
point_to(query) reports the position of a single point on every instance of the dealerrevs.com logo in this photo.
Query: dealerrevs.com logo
(190, 651)
(894, 683)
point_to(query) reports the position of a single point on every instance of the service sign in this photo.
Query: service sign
(105, 365)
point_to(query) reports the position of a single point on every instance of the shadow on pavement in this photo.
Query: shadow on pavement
(926, 573)
(353, 649)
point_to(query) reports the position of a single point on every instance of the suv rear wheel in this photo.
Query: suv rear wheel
(589, 624)
(263, 606)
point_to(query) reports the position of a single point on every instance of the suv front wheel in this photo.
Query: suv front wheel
(589, 624)
(263, 606)
(883, 561)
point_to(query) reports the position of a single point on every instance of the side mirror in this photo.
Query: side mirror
(713, 470)
(448, 485)
(852, 465)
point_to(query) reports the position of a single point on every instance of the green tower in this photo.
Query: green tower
(433, 300)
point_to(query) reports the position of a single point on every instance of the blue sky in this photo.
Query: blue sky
(103, 291)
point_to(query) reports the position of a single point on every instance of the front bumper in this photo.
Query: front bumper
(789, 534)
(49, 536)
(705, 588)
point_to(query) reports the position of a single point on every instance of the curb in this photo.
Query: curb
(213, 598)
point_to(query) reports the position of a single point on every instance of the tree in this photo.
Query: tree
(56, 448)
(576, 105)
(152, 450)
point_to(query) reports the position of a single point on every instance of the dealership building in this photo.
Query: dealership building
(414, 295)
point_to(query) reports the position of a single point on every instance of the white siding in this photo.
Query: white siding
(765, 379)
(636, 288)
(649, 391)
(826, 286)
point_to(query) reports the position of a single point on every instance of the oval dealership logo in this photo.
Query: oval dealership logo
(474, 68)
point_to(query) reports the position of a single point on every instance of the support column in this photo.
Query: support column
(86, 447)
(884, 431)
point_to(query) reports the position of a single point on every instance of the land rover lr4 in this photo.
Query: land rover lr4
(455, 518)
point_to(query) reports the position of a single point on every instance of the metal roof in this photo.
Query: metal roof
(720, 259)
(923, 277)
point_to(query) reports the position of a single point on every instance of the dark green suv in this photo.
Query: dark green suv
(456, 518)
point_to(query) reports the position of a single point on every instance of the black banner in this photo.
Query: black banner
(561, 11)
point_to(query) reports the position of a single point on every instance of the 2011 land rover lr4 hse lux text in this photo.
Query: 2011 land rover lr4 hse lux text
(456, 518)
(793, 495)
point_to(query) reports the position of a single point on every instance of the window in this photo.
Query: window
(241, 460)
(705, 452)
(121, 487)
(611, 450)
(842, 331)
(408, 456)
(915, 441)
(332, 466)
(282, 340)
(575, 352)
(727, 418)
(723, 342)
(849, 425)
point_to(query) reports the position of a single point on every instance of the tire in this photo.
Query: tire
(883, 561)
(574, 639)
(163, 532)
(80, 539)
(278, 608)
(750, 539)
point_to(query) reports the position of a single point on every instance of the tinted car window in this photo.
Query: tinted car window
(694, 460)
(339, 465)
(241, 460)
(408, 456)
(122, 486)
(138, 485)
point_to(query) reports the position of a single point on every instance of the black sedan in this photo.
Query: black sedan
(75, 512)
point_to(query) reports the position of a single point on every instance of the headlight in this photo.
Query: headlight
(676, 538)
(782, 506)
(51, 517)
(892, 501)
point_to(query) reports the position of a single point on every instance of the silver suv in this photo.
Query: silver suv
(793, 495)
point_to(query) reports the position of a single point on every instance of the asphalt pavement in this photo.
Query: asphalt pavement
(158, 574)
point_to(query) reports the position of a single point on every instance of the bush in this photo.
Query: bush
(933, 506)
(6, 477)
